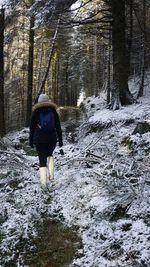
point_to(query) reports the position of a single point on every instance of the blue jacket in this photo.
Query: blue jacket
(37, 136)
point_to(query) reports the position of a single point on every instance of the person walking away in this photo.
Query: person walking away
(45, 131)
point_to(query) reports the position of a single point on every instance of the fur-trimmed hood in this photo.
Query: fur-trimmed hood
(45, 104)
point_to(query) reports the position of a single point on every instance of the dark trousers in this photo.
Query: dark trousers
(44, 151)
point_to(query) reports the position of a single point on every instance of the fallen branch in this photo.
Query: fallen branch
(80, 159)
(96, 156)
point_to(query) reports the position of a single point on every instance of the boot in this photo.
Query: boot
(48, 175)
(51, 167)
(43, 177)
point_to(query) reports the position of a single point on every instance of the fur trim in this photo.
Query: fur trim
(44, 104)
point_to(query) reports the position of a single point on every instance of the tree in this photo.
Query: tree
(120, 90)
(30, 70)
(111, 15)
(130, 34)
(41, 89)
(109, 70)
(2, 119)
(82, 59)
(141, 89)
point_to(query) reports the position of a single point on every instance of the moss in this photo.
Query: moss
(126, 141)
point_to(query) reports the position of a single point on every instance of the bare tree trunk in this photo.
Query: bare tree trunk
(95, 84)
(54, 78)
(120, 92)
(67, 93)
(141, 89)
(30, 71)
(23, 103)
(49, 62)
(130, 38)
(2, 119)
(108, 69)
(39, 67)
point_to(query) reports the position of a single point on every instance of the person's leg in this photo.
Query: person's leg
(42, 155)
(43, 177)
(50, 161)
(43, 165)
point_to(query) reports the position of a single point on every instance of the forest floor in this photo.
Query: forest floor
(97, 207)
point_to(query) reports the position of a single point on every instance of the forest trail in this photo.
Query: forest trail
(101, 187)
(26, 216)
(98, 204)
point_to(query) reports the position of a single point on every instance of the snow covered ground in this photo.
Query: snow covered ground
(101, 185)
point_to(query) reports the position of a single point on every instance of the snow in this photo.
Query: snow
(75, 5)
(3, 2)
(87, 190)
(135, 112)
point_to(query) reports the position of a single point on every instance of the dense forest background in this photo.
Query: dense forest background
(68, 48)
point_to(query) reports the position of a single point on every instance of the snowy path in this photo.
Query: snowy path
(106, 196)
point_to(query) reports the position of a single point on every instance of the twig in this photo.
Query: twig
(93, 143)
(80, 159)
(96, 156)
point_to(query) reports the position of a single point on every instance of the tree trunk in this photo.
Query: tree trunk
(130, 35)
(108, 69)
(67, 93)
(49, 62)
(23, 90)
(54, 78)
(120, 91)
(141, 89)
(30, 71)
(2, 119)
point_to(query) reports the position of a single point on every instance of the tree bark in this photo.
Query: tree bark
(130, 38)
(141, 89)
(67, 93)
(30, 71)
(2, 118)
(108, 70)
(120, 91)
